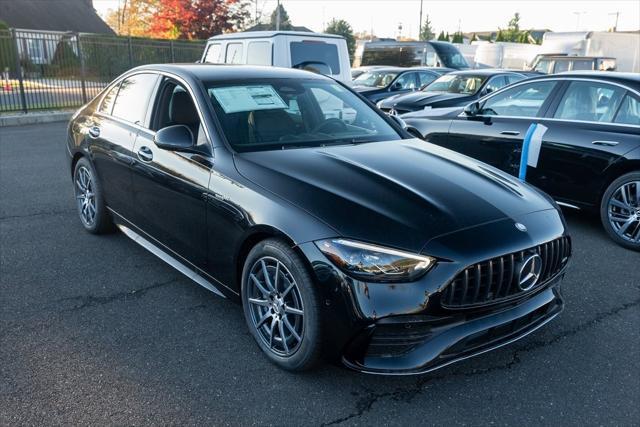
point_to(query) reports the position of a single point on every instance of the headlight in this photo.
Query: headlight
(375, 263)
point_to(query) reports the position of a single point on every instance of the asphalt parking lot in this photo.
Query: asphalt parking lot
(95, 330)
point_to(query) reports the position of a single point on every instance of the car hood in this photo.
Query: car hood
(395, 193)
(422, 99)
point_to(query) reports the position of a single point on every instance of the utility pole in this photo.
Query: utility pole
(278, 16)
(615, 27)
(420, 26)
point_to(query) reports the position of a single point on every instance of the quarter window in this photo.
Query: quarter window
(520, 101)
(234, 53)
(107, 101)
(133, 98)
(629, 112)
(259, 53)
(589, 101)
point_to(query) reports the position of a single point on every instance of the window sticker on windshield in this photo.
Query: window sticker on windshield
(236, 99)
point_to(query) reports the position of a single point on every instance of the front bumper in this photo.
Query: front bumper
(404, 345)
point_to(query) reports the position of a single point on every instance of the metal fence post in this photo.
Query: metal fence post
(23, 97)
(82, 69)
(130, 53)
(173, 56)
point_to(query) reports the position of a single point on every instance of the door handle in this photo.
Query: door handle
(94, 131)
(606, 143)
(145, 154)
(510, 132)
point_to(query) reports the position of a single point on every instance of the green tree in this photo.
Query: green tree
(7, 50)
(342, 28)
(285, 22)
(457, 37)
(442, 37)
(427, 31)
(474, 38)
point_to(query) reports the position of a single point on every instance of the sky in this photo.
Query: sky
(385, 16)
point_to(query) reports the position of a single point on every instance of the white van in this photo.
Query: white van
(326, 53)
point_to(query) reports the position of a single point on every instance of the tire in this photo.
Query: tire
(289, 307)
(620, 210)
(92, 210)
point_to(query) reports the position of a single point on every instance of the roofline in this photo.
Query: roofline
(269, 34)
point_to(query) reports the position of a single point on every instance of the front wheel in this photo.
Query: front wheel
(620, 210)
(281, 305)
(89, 200)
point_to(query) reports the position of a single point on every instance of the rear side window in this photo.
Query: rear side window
(629, 112)
(213, 54)
(133, 98)
(259, 53)
(561, 65)
(312, 51)
(582, 64)
(234, 53)
(107, 101)
(589, 101)
(425, 78)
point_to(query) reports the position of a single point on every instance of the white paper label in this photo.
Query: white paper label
(235, 99)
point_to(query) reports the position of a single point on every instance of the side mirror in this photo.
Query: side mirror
(472, 109)
(396, 86)
(174, 138)
(488, 90)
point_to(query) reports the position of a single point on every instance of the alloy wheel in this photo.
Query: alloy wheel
(85, 196)
(624, 211)
(275, 305)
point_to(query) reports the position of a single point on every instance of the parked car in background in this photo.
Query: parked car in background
(349, 240)
(355, 72)
(409, 54)
(322, 53)
(380, 83)
(553, 64)
(451, 90)
(590, 155)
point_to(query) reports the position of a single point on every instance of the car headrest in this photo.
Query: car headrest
(182, 110)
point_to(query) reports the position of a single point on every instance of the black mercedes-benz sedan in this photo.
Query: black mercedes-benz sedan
(382, 82)
(341, 238)
(451, 90)
(588, 154)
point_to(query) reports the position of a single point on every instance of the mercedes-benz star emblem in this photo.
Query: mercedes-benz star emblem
(393, 112)
(529, 272)
(521, 227)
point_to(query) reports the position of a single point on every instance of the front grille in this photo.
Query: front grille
(497, 279)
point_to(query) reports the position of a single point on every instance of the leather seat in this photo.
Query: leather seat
(183, 112)
(270, 125)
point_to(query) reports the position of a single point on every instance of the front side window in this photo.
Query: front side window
(405, 81)
(213, 54)
(629, 111)
(426, 78)
(589, 101)
(309, 51)
(375, 79)
(495, 83)
(457, 83)
(259, 53)
(521, 101)
(133, 97)
(234, 53)
(268, 114)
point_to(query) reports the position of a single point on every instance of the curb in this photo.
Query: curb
(35, 118)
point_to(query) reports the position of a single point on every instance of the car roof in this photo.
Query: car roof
(266, 34)
(485, 72)
(630, 79)
(228, 72)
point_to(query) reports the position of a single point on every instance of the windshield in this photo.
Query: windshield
(450, 56)
(269, 114)
(375, 79)
(455, 83)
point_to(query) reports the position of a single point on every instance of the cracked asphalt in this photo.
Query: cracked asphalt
(96, 330)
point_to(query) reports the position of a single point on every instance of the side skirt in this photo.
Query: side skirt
(173, 262)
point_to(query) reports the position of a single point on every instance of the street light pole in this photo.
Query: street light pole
(420, 25)
(278, 16)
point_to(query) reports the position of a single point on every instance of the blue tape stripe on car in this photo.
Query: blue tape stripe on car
(522, 175)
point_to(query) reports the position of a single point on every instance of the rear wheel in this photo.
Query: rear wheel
(281, 305)
(620, 210)
(89, 200)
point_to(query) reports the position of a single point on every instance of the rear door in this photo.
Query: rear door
(114, 131)
(495, 136)
(589, 128)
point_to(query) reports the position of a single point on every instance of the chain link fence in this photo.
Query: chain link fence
(43, 70)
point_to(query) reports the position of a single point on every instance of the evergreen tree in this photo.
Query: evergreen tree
(342, 28)
(427, 31)
(285, 22)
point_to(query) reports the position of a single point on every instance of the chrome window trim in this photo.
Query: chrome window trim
(569, 79)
